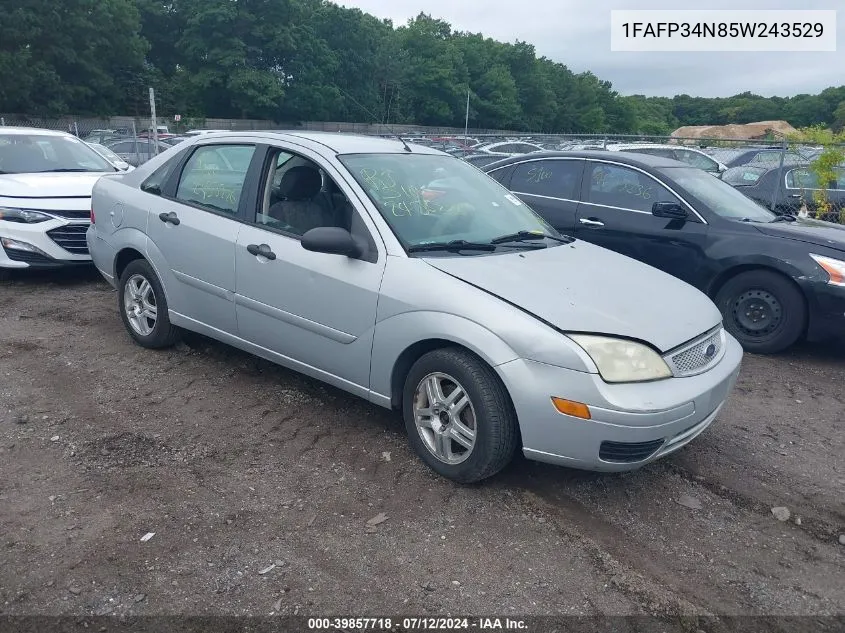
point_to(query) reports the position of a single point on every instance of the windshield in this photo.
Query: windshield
(434, 199)
(107, 153)
(35, 153)
(720, 197)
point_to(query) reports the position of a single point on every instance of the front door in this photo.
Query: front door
(615, 212)
(317, 311)
(194, 227)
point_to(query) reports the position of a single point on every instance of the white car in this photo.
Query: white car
(690, 156)
(46, 178)
(110, 156)
(508, 148)
(201, 132)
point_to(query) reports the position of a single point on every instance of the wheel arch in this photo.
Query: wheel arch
(719, 282)
(123, 258)
(401, 340)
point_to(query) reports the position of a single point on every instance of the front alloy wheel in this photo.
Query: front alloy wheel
(445, 418)
(459, 416)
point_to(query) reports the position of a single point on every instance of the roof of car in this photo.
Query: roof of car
(637, 160)
(32, 131)
(623, 146)
(337, 142)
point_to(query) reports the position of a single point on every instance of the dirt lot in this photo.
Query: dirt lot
(237, 465)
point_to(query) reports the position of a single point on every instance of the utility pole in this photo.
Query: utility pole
(154, 121)
(466, 121)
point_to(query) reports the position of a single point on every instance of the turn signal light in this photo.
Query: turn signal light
(570, 407)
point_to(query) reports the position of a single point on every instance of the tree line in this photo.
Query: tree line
(312, 60)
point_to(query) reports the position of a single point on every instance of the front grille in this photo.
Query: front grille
(71, 237)
(28, 256)
(699, 356)
(628, 452)
(71, 215)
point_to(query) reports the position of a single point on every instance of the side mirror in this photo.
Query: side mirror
(332, 240)
(670, 210)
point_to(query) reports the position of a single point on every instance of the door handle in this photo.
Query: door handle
(261, 250)
(171, 217)
(589, 222)
(795, 195)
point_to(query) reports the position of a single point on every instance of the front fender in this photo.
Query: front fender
(397, 333)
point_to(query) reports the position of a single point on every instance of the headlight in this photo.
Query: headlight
(24, 216)
(835, 269)
(619, 360)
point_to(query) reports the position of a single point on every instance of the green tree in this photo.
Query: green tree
(80, 54)
(839, 117)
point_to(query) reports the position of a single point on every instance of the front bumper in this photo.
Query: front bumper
(631, 425)
(49, 253)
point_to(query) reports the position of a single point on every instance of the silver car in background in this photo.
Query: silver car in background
(411, 279)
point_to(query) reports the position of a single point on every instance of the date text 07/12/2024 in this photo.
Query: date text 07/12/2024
(416, 624)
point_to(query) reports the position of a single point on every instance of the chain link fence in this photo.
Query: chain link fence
(783, 175)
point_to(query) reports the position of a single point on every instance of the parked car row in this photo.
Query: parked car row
(586, 308)
(774, 278)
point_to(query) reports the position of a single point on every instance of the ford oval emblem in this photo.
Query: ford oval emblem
(710, 352)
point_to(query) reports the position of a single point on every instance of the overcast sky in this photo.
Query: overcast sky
(577, 33)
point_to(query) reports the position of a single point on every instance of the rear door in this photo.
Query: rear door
(550, 186)
(615, 212)
(194, 226)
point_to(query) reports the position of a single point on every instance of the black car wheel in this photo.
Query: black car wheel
(763, 310)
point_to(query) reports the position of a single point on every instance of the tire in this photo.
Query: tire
(488, 413)
(134, 297)
(763, 310)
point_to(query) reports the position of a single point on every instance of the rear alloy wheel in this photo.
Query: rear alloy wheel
(459, 417)
(763, 310)
(143, 306)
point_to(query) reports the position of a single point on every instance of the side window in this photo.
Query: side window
(553, 178)
(213, 177)
(299, 196)
(155, 181)
(801, 179)
(617, 186)
(125, 147)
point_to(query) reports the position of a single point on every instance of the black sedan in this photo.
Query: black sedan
(791, 188)
(774, 278)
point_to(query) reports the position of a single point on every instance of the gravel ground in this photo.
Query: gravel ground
(258, 485)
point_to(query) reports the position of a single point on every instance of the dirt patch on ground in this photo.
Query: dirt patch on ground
(238, 465)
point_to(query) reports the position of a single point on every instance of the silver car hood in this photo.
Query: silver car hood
(585, 288)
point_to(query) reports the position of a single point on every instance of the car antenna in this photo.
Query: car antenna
(368, 111)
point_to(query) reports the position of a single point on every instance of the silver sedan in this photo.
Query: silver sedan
(411, 279)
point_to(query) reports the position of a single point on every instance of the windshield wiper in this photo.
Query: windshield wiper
(529, 235)
(454, 245)
(56, 171)
(786, 217)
